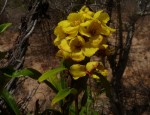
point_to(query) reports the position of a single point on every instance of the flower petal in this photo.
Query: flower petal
(69, 38)
(57, 41)
(88, 50)
(64, 23)
(58, 31)
(83, 31)
(60, 35)
(95, 76)
(104, 72)
(91, 65)
(105, 30)
(97, 14)
(75, 19)
(63, 54)
(64, 45)
(73, 31)
(103, 47)
(104, 17)
(86, 12)
(86, 23)
(77, 71)
(111, 29)
(77, 56)
(96, 40)
(84, 8)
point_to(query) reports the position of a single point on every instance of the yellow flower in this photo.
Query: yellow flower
(67, 28)
(90, 66)
(86, 13)
(90, 69)
(103, 18)
(103, 72)
(101, 69)
(77, 48)
(75, 19)
(77, 71)
(91, 28)
(94, 28)
(77, 44)
(72, 24)
(72, 48)
(96, 67)
(97, 25)
(60, 35)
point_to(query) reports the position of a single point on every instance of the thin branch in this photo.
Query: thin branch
(120, 43)
(4, 6)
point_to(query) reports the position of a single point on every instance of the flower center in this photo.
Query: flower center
(78, 46)
(94, 28)
(77, 22)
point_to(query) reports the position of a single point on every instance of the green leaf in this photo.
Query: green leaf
(7, 71)
(105, 84)
(86, 103)
(27, 72)
(4, 26)
(3, 81)
(72, 110)
(62, 94)
(50, 73)
(10, 102)
(55, 81)
(10, 72)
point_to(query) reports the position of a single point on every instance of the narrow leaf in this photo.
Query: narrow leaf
(86, 105)
(10, 101)
(3, 81)
(8, 71)
(4, 26)
(27, 72)
(50, 73)
(62, 94)
(55, 81)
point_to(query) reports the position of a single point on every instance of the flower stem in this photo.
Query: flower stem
(76, 105)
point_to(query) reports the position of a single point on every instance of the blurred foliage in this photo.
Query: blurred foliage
(4, 26)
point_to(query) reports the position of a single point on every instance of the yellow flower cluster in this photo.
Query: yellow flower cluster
(82, 35)
(89, 69)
